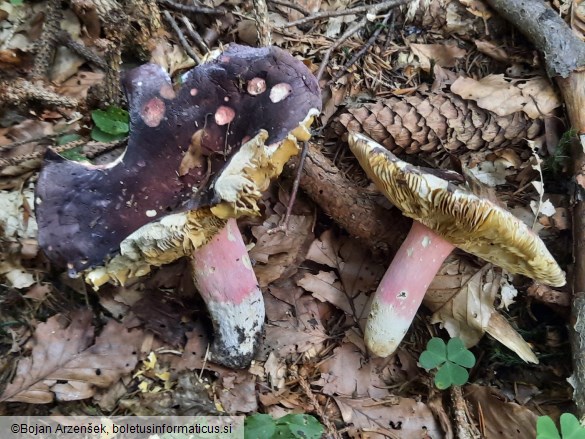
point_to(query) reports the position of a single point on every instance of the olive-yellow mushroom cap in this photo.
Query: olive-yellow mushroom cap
(469, 222)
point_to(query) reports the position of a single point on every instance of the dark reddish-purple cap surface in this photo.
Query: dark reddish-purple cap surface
(85, 211)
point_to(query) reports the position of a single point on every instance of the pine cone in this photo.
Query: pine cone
(417, 123)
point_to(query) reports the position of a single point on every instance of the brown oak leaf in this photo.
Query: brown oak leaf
(67, 364)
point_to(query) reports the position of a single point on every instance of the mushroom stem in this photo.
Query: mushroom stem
(403, 288)
(223, 274)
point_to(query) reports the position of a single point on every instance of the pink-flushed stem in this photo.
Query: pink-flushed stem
(224, 277)
(403, 288)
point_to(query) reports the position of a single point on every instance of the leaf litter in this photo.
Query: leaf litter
(316, 290)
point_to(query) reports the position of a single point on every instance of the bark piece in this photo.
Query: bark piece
(351, 206)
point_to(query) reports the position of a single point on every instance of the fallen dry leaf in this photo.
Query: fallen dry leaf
(490, 49)
(66, 364)
(78, 85)
(535, 96)
(354, 274)
(18, 228)
(462, 300)
(170, 56)
(237, 392)
(500, 417)
(395, 417)
(349, 373)
(278, 254)
(301, 334)
(164, 315)
(445, 55)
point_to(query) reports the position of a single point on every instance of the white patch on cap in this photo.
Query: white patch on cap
(426, 241)
(280, 92)
(224, 115)
(151, 213)
(193, 92)
(256, 86)
(153, 112)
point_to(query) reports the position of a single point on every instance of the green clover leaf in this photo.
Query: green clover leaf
(291, 426)
(259, 425)
(450, 359)
(459, 354)
(570, 428)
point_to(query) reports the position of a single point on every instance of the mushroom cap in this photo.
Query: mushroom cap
(467, 221)
(181, 142)
(239, 186)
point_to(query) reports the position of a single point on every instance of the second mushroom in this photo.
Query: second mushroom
(445, 216)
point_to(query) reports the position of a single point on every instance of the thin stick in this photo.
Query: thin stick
(302, 10)
(181, 37)
(37, 155)
(262, 22)
(24, 142)
(45, 46)
(370, 9)
(293, 195)
(65, 38)
(192, 9)
(97, 148)
(348, 33)
(19, 91)
(363, 50)
(197, 39)
(303, 382)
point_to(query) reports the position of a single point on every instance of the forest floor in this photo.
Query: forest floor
(445, 83)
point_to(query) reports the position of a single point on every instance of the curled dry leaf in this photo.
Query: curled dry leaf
(546, 294)
(490, 49)
(462, 300)
(396, 418)
(67, 364)
(578, 17)
(535, 97)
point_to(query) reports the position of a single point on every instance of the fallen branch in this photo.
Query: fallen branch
(381, 229)
(369, 9)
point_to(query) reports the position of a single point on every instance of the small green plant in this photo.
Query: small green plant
(561, 155)
(74, 153)
(450, 359)
(570, 428)
(110, 124)
(289, 426)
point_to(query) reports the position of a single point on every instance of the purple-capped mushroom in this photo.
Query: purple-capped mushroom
(196, 157)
